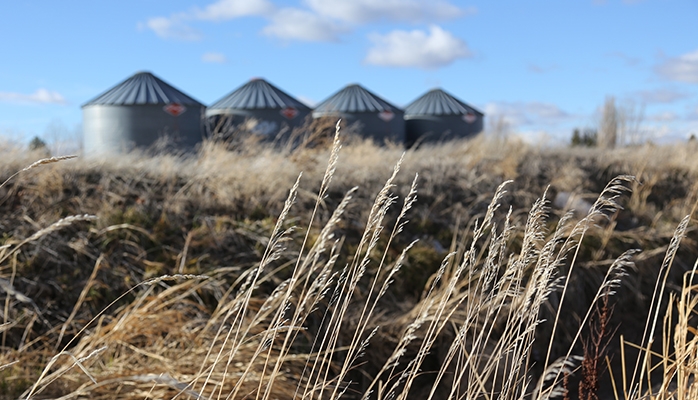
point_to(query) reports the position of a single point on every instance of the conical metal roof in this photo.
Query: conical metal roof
(438, 102)
(354, 99)
(258, 94)
(142, 88)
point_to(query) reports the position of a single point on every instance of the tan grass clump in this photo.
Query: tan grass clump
(309, 309)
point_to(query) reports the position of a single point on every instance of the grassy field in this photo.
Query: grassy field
(351, 270)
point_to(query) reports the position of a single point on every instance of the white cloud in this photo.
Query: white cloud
(540, 138)
(327, 19)
(666, 134)
(663, 95)
(546, 111)
(320, 20)
(693, 115)
(417, 48)
(627, 59)
(519, 114)
(683, 68)
(224, 10)
(363, 11)
(296, 24)
(511, 113)
(41, 96)
(215, 58)
(176, 25)
(172, 28)
(658, 132)
(666, 116)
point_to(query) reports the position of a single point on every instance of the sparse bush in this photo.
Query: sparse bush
(37, 144)
(586, 138)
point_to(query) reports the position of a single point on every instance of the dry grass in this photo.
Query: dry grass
(214, 276)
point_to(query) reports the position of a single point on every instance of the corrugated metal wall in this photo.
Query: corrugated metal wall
(118, 129)
(438, 116)
(425, 128)
(132, 115)
(258, 107)
(377, 118)
(137, 113)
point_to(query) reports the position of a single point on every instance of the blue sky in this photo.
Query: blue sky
(544, 67)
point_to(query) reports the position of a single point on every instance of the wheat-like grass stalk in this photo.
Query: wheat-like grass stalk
(306, 312)
(80, 300)
(37, 164)
(655, 303)
(271, 253)
(609, 283)
(445, 306)
(561, 366)
(605, 203)
(300, 271)
(36, 389)
(356, 271)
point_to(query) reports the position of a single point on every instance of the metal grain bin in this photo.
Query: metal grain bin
(438, 116)
(377, 118)
(139, 112)
(263, 108)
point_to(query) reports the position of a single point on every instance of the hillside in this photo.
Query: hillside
(200, 277)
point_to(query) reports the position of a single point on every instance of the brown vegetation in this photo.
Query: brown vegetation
(375, 275)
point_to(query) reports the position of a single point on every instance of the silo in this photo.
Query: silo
(262, 108)
(377, 118)
(438, 116)
(137, 113)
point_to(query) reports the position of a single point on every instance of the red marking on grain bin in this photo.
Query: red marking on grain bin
(386, 115)
(175, 109)
(289, 112)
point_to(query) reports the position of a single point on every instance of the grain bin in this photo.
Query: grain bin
(376, 118)
(259, 107)
(438, 116)
(139, 112)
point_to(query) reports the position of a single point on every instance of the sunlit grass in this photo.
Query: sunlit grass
(216, 276)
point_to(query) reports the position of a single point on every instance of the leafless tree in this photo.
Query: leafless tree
(630, 129)
(608, 129)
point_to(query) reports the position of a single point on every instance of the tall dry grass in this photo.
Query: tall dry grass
(313, 303)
